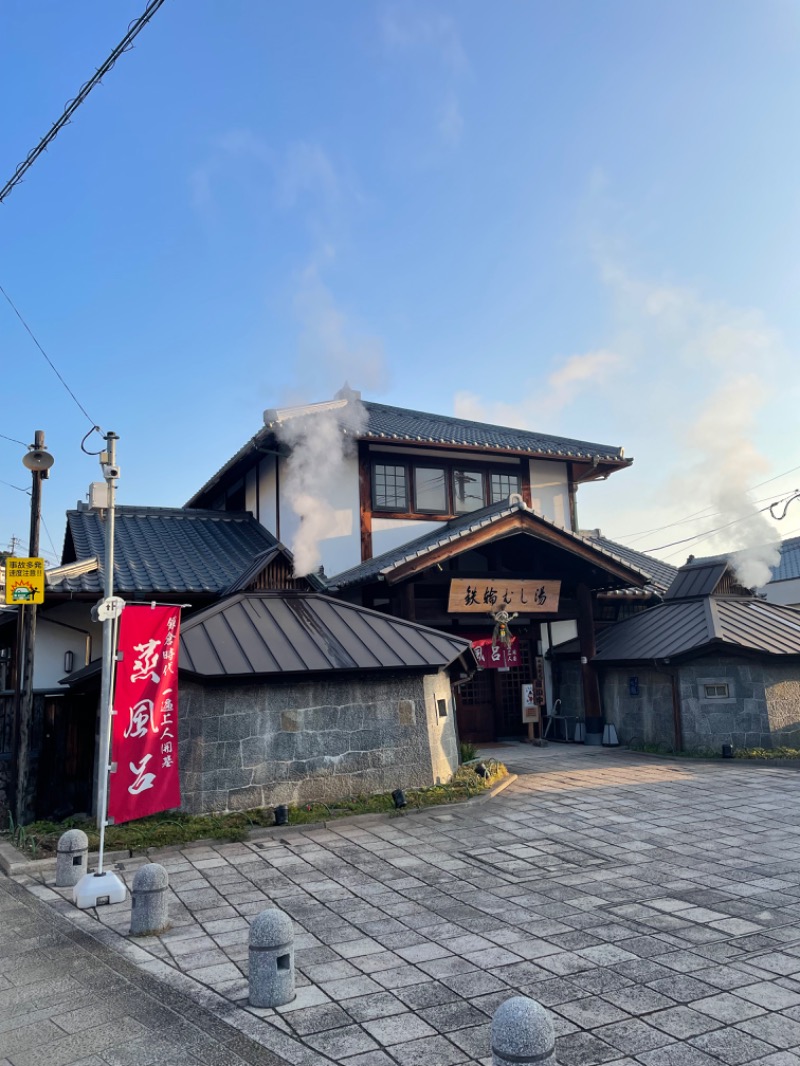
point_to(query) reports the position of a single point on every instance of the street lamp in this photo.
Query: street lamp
(38, 461)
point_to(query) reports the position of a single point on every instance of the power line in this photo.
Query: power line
(708, 532)
(13, 440)
(124, 45)
(702, 512)
(47, 357)
(10, 486)
(47, 531)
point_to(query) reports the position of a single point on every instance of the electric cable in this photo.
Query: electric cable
(50, 362)
(708, 532)
(13, 440)
(702, 512)
(17, 487)
(124, 45)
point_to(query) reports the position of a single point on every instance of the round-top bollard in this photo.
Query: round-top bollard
(271, 959)
(522, 1032)
(150, 900)
(72, 853)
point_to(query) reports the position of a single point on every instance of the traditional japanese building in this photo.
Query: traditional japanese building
(444, 521)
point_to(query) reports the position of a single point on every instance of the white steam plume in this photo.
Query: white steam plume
(730, 463)
(320, 443)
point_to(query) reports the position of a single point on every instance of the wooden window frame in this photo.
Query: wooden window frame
(486, 469)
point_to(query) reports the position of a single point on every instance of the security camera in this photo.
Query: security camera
(110, 471)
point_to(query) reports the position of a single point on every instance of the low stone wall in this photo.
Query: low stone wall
(244, 746)
(762, 710)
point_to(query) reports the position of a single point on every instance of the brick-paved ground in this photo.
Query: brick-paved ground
(653, 906)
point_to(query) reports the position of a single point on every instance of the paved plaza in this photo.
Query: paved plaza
(653, 906)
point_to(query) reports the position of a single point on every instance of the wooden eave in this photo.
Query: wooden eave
(507, 527)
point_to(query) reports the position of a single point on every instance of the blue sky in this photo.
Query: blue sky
(582, 218)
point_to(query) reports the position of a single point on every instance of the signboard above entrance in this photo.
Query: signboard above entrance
(478, 596)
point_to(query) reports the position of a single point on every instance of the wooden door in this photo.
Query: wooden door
(475, 713)
(66, 756)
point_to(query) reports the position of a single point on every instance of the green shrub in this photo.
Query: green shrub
(466, 751)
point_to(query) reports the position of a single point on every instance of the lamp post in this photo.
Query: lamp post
(38, 461)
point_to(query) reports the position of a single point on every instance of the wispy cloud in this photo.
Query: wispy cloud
(541, 402)
(332, 346)
(434, 37)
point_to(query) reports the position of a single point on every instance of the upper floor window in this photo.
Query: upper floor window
(390, 487)
(439, 489)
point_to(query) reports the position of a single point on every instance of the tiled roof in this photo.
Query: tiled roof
(681, 627)
(401, 425)
(273, 633)
(160, 549)
(452, 531)
(388, 423)
(661, 574)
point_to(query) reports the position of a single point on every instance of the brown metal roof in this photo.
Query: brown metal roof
(271, 633)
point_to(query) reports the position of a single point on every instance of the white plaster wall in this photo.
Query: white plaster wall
(550, 491)
(441, 731)
(340, 546)
(267, 512)
(52, 641)
(388, 533)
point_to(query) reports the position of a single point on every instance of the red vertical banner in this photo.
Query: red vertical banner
(144, 734)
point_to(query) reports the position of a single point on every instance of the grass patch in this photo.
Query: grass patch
(39, 839)
(766, 753)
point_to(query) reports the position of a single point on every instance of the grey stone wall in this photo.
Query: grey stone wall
(292, 742)
(763, 710)
(646, 718)
(569, 688)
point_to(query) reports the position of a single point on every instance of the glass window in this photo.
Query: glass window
(467, 490)
(503, 486)
(430, 489)
(716, 692)
(391, 487)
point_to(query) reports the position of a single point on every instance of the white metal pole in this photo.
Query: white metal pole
(110, 472)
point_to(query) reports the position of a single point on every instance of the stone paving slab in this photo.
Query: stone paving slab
(653, 906)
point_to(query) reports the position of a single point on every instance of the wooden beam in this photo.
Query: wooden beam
(525, 483)
(591, 684)
(365, 500)
(518, 522)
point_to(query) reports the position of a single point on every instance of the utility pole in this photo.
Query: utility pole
(104, 886)
(38, 461)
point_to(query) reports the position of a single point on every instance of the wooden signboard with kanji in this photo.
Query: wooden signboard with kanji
(478, 596)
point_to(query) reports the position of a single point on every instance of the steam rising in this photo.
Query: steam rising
(321, 441)
(723, 437)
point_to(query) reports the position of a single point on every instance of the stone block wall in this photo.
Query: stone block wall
(244, 746)
(646, 718)
(762, 711)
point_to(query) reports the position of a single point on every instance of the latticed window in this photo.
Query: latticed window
(390, 487)
(503, 486)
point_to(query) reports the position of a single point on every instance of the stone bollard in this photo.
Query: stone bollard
(72, 853)
(271, 959)
(149, 900)
(522, 1032)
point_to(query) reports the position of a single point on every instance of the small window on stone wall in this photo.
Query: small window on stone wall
(716, 692)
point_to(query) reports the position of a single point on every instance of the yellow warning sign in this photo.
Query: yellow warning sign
(24, 580)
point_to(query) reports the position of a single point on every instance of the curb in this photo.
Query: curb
(14, 862)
